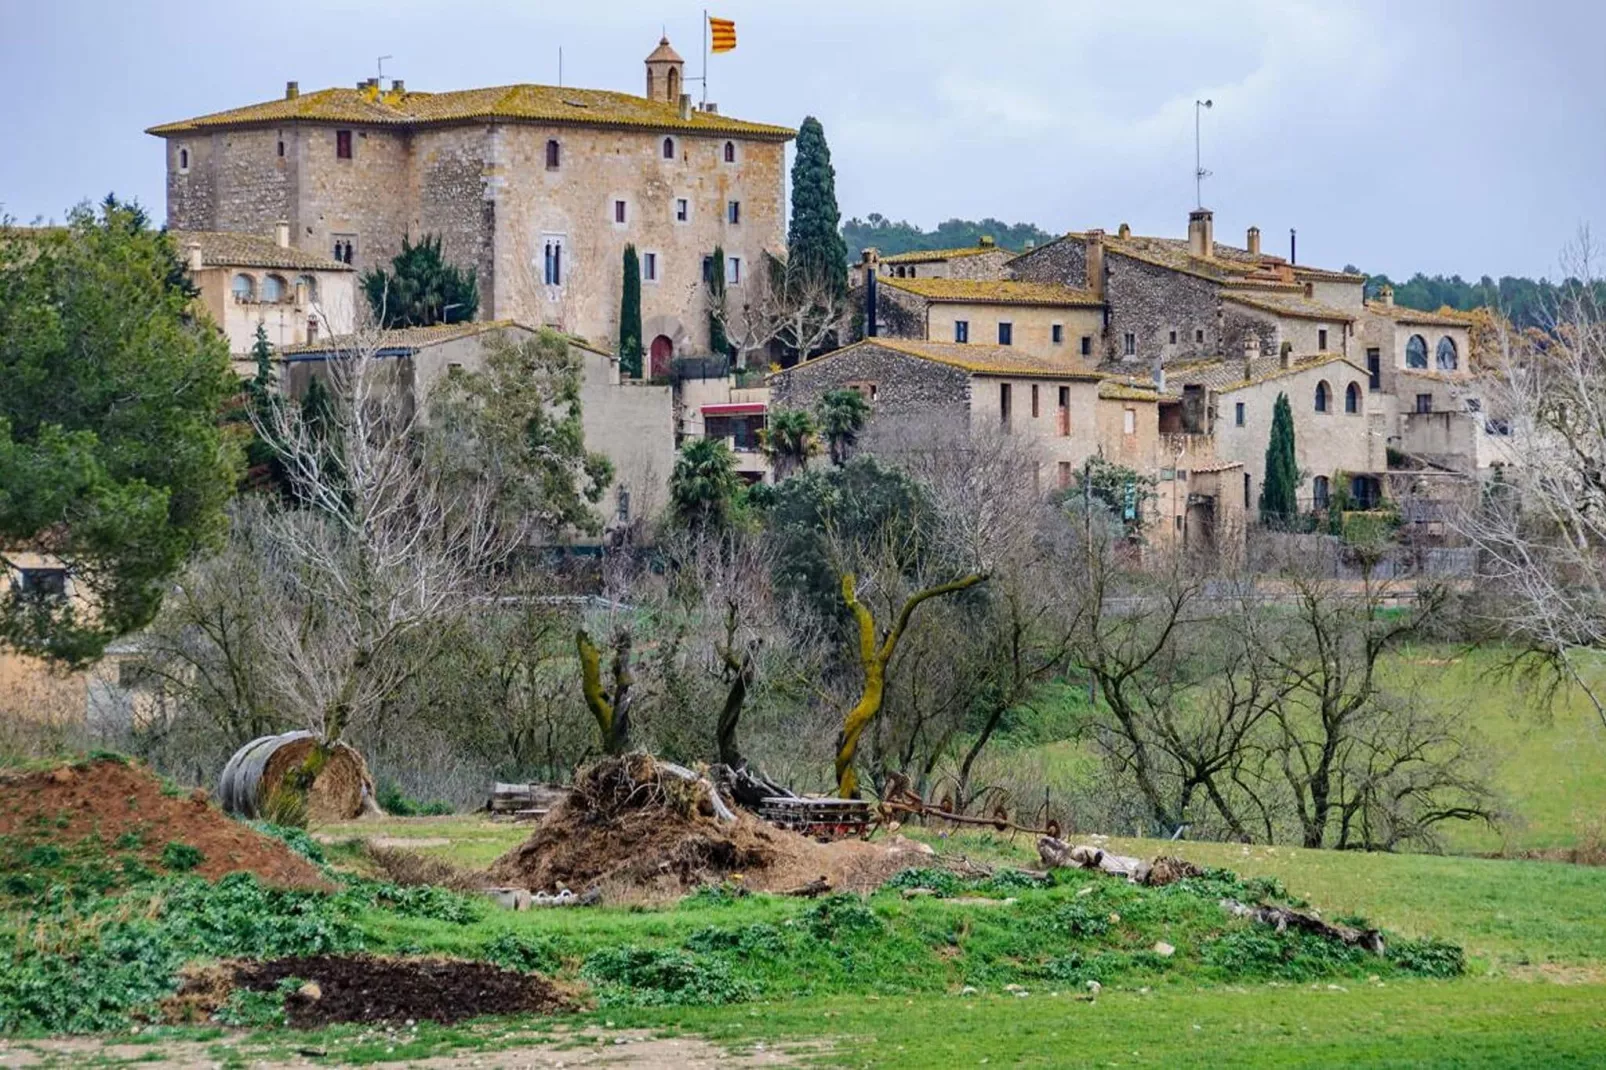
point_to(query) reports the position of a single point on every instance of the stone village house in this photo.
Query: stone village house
(537, 188)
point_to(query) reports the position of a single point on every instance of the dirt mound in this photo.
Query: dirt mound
(366, 988)
(121, 808)
(634, 834)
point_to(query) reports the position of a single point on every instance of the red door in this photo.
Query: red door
(662, 350)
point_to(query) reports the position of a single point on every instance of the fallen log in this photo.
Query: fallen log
(1284, 918)
(1057, 854)
(722, 812)
(749, 787)
(813, 889)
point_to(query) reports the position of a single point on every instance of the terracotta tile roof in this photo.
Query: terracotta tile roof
(1229, 266)
(226, 249)
(1215, 466)
(921, 256)
(995, 292)
(976, 359)
(1400, 314)
(405, 338)
(1295, 305)
(1225, 376)
(538, 103)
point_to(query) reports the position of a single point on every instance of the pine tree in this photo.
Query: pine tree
(814, 242)
(630, 316)
(718, 339)
(1278, 506)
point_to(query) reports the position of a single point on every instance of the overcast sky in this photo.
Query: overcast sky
(1436, 135)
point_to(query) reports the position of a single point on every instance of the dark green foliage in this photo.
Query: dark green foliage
(1527, 303)
(704, 486)
(523, 953)
(296, 839)
(946, 883)
(632, 976)
(813, 242)
(718, 336)
(1428, 958)
(109, 433)
(181, 857)
(416, 901)
(250, 1008)
(1262, 952)
(1278, 505)
(744, 941)
(843, 414)
(1112, 490)
(841, 916)
(630, 316)
(394, 801)
(421, 289)
(722, 894)
(878, 232)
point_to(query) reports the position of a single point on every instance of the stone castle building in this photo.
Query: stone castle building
(537, 188)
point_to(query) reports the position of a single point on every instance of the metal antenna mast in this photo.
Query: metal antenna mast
(1199, 173)
(382, 60)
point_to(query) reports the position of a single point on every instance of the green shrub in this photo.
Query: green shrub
(392, 800)
(632, 976)
(1263, 952)
(296, 839)
(841, 915)
(523, 953)
(256, 1009)
(181, 857)
(746, 940)
(722, 894)
(1429, 958)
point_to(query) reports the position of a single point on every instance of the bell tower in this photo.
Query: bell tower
(664, 73)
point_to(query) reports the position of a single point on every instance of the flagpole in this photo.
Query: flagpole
(705, 57)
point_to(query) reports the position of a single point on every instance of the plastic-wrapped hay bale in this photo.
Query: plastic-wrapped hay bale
(341, 788)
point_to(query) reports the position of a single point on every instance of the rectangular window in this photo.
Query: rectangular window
(1034, 401)
(281, 147)
(1173, 337)
(1246, 491)
(682, 210)
(1129, 422)
(1003, 405)
(733, 270)
(1374, 369)
(961, 330)
(1238, 414)
(708, 270)
(1056, 333)
(1064, 411)
(43, 584)
(1130, 344)
(1087, 345)
(1424, 403)
(1321, 340)
(1006, 334)
(552, 259)
(649, 266)
(1198, 336)
(1178, 519)
(343, 144)
(618, 211)
(734, 212)
(1064, 474)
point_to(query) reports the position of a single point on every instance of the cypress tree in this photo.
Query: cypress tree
(630, 317)
(718, 340)
(1278, 506)
(814, 241)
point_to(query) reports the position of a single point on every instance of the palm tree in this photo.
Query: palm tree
(704, 484)
(843, 414)
(789, 440)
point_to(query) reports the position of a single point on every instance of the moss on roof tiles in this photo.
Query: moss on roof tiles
(1441, 318)
(226, 249)
(977, 359)
(540, 103)
(1117, 391)
(995, 292)
(1295, 305)
(921, 256)
(410, 338)
(1225, 376)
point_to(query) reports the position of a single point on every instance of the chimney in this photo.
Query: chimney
(685, 107)
(711, 108)
(1285, 355)
(1252, 243)
(192, 256)
(1031, 243)
(292, 90)
(1293, 246)
(281, 233)
(1124, 231)
(1159, 375)
(871, 266)
(1251, 353)
(1094, 241)
(986, 242)
(398, 86)
(1201, 233)
(1385, 295)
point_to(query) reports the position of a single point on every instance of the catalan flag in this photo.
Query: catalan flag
(721, 34)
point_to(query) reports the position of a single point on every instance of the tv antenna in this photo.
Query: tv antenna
(1199, 173)
(381, 65)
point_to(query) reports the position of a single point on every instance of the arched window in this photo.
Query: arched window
(554, 155)
(183, 159)
(1447, 354)
(309, 287)
(1416, 352)
(244, 287)
(1352, 398)
(674, 85)
(1321, 491)
(730, 152)
(669, 148)
(273, 289)
(1322, 393)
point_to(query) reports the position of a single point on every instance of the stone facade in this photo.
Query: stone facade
(501, 176)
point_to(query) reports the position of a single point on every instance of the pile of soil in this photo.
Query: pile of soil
(630, 834)
(125, 806)
(367, 988)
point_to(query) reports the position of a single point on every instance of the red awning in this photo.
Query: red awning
(744, 408)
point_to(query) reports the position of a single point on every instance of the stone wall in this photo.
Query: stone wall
(1063, 262)
(905, 389)
(1150, 302)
